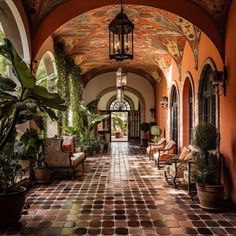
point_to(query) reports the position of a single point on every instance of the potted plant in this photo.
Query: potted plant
(31, 144)
(12, 194)
(145, 128)
(156, 132)
(20, 102)
(41, 172)
(207, 167)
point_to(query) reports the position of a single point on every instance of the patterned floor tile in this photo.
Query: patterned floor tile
(121, 193)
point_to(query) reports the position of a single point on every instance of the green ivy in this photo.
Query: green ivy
(70, 86)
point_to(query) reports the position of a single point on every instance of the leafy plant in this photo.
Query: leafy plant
(40, 162)
(10, 169)
(87, 121)
(156, 132)
(20, 100)
(119, 122)
(206, 157)
(31, 142)
(144, 126)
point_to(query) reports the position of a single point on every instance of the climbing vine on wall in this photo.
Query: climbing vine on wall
(70, 86)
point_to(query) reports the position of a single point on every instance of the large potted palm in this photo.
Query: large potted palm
(20, 101)
(207, 167)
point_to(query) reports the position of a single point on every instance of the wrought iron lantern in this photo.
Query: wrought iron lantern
(121, 37)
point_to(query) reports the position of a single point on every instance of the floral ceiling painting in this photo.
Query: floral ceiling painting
(159, 36)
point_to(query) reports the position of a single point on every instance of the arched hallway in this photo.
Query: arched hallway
(121, 193)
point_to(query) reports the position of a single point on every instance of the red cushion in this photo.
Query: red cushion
(67, 147)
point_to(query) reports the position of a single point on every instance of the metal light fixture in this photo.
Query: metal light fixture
(218, 80)
(164, 102)
(121, 37)
(121, 82)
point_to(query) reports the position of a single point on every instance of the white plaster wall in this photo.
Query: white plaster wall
(107, 80)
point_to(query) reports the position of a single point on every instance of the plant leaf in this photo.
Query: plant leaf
(7, 84)
(22, 71)
(50, 112)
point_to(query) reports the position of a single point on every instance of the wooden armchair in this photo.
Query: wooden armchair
(162, 155)
(59, 158)
(176, 168)
(153, 147)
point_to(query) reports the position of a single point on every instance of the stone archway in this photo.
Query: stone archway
(15, 29)
(135, 92)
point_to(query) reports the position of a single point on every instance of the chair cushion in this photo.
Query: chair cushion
(67, 147)
(68, 140)
(184, 153)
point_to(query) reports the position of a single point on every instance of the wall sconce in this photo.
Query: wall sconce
(218, 80)
(152, 111)
(164, 102)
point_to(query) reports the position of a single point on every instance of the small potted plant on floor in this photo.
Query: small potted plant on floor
(207, 167)
(145, 128)
(41, 172)
(31, 143)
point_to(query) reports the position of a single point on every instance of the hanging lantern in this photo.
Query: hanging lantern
(120, 95)
(121, 37)
(121, 78)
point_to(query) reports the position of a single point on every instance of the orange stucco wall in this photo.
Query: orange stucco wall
(228, 106)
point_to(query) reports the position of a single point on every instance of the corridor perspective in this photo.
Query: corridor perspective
(121, 193)
(117, 117)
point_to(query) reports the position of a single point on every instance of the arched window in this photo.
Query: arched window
(207, 98)
(190, 114)
(174, 115)
(119, 106)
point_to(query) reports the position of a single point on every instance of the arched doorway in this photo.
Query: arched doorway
(174, 116)
(119, 111)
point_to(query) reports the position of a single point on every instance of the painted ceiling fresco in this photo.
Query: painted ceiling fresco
(158, 37)
(37, 10)
(217, 9)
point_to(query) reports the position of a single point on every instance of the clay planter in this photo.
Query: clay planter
(11, 205)
(42, 175)
(118, 135)
(211, 197)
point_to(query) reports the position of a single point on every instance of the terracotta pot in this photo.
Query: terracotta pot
(117, 135)
(42, 175)
(11, 205)
(211, 197)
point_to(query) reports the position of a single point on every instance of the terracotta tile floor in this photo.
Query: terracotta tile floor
(121, 193)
